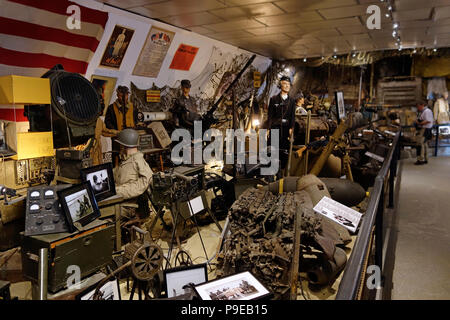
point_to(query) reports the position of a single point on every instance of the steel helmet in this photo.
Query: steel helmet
(128, 138)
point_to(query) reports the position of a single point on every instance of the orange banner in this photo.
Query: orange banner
(184, 57)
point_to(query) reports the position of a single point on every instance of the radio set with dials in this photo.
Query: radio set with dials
(43, 212)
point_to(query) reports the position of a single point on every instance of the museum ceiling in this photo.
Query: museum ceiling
(295, 29)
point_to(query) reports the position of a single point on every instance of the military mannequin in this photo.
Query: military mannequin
(185, 107)
(133, 175)
(114, 118)
(281, 115)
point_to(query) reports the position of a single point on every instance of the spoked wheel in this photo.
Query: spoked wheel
(146, 262)
(182, 259)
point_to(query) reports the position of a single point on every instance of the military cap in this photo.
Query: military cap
(285, 78)
(185, 83)
(123, 89)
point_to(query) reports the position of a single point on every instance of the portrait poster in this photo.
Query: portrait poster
(153, 53)
(184, 57)
(117, 47)
(105, 88)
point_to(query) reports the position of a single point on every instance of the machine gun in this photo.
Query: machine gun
(208, 118)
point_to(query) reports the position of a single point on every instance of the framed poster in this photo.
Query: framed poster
(104, 86)
(241, 286)
(117, 47)
(184, 56)
(153, 53)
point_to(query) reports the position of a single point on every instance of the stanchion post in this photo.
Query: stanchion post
(379, 231)
(43, 273)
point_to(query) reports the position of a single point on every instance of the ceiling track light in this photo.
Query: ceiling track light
(395, 25)
(434, 50)
(304, 60)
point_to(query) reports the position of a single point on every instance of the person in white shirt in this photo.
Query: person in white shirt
(424, 123)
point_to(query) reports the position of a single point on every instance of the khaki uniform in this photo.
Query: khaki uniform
(132, 176)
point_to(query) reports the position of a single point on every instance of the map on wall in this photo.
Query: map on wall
(153, 53)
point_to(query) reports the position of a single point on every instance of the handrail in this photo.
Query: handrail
(350, 283)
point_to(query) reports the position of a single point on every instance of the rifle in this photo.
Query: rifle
(208, 118)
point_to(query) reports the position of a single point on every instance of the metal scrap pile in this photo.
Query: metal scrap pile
(261, 233)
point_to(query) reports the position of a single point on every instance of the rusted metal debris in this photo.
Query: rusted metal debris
(262, 233)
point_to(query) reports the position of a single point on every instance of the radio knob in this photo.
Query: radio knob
(48, 206)
(55, 219)
(39, 221)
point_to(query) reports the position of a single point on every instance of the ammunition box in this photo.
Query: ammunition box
(90, 249)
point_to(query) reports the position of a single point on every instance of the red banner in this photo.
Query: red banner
(184, 57)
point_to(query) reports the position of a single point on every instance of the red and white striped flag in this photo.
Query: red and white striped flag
(34, 36)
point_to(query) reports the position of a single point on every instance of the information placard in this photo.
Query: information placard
(345, 216)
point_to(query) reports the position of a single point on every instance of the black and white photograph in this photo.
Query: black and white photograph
(339, 213)
(241, 286)
(109, 291)
(177, 279)
(101, 179)
(79, 205)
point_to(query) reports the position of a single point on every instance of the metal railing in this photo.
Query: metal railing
(355, 270)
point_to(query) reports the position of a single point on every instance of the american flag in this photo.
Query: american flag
(34, 36)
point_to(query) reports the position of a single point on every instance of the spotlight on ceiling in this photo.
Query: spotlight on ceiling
(387, 15)
(354, 54)
(304, 60)
(395, 25)
(394, 34)
(334, 56)
(415, 51)
(434, 50)
(390, 8)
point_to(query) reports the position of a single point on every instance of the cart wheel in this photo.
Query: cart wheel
(182, 259)
(146, 262)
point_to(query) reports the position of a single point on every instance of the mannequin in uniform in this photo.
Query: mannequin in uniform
(281, 115)
(114, 118)
(185, 107)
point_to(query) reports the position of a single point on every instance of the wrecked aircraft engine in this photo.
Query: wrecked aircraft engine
(261, 234)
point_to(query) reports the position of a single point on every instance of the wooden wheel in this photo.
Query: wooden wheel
(146, 261)
(182, 259)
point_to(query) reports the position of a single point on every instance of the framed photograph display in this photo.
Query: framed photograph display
(176, 278)
(240, 286)
(104, 86)
(101, 178)
(109, 291)
(340, 106)
(79, 205)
